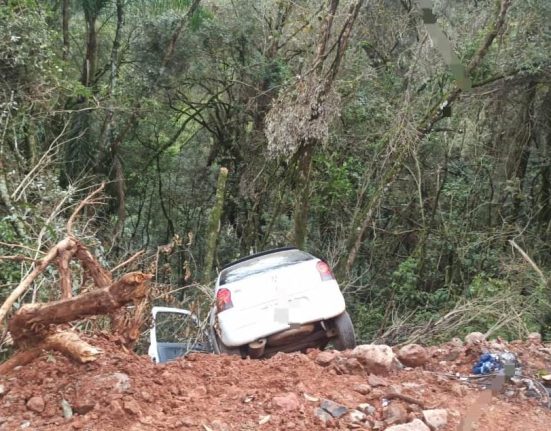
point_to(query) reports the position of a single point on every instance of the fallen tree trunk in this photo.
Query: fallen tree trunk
(32, 328)
(31, 323)
(69, 343)
(66, 342)
(23, 357)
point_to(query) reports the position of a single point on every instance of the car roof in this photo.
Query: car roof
(262, 253)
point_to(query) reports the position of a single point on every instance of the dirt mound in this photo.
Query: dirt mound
(124, 391)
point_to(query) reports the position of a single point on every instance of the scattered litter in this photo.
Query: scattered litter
(264, 420)
(490, 363)
(311, 398)
(248, 398)
(67, 409)
(487, 363)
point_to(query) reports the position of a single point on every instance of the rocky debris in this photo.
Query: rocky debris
(322, 415)
(474, 338)
(376, 358)
(287, 402)
(334, 409)
(395, 413)
(362, 388)
(436, 419)
(357, 416)
(367, 408)
(458, 390)
(326, 357)
(375, 381)
(122, 390)
(413, 355)
(534, 337)
(353, 366)
(218, 425)
(121, 382)
(131, 406)
(36, 404)
(414, 425)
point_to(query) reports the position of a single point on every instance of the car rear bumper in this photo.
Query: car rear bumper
(239, 327)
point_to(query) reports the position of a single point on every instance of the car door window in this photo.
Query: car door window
(175, 327)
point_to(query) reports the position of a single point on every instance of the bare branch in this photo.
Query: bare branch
(530, 261)
(129, 260)
(87, 201)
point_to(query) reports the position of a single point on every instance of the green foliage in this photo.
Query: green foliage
(179, 102)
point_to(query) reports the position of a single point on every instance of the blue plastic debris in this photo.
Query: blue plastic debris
(487, 363)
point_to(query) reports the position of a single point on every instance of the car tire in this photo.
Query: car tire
(220, 348)
(345, 337)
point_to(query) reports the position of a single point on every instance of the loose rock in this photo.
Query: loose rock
(357, 416)
(334, 409)
(395, 413)
(475, 338)
(377, 359)
(326, 357)
(413, 355)
(322, 414)
(287, 402)
(36, 404)
(367, 408)
(122, 382)
(353, 366)
(534, 338)
(436, 418)
(414, 425)
(376, 381)
(362, 389)
(132, 407)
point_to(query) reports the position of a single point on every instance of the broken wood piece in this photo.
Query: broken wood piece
(65, 254)
(31, 322)
(70, 344)
(23, 357)
(92, 268)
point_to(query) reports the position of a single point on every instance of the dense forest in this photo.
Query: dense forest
(406, 142)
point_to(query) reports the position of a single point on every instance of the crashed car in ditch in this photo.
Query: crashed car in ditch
(280, 300)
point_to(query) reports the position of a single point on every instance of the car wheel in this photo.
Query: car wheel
(219, 347)
(345, 338)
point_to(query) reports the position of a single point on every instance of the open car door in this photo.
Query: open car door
(175, 332)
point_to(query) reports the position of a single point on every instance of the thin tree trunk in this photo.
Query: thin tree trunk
(214, 224)
(305, 152)
(65, 25)
(302, 196)
(5, 198)
(89, 65)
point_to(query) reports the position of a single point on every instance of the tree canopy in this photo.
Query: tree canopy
(407, 143)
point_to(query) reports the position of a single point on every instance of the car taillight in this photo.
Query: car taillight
(325, 271)
(223, 300)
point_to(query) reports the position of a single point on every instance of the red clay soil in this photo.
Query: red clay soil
(124, 391)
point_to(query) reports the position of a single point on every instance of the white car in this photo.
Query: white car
(279, 300)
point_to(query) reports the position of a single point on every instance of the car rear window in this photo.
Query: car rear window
(261, 264)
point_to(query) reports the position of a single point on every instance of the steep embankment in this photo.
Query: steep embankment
(123, 391)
